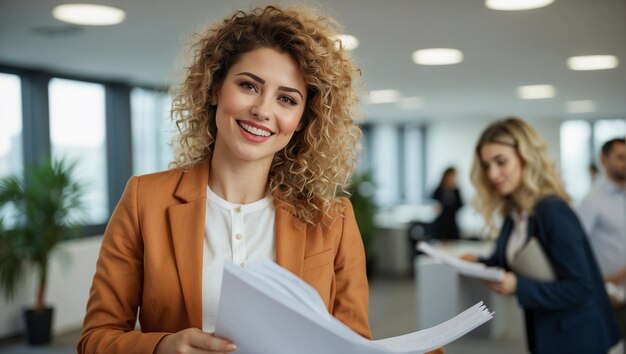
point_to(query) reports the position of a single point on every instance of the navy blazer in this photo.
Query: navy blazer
(572, 314)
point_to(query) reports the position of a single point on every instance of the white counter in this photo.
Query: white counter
(442, 293)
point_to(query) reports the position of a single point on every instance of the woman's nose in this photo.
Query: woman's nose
(262, 108)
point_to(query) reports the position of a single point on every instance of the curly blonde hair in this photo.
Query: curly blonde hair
(318, 161)
(539, 174)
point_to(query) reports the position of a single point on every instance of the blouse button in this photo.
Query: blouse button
(239, 236)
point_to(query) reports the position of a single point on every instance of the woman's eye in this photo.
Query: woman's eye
(288, 100)
(501, 162)
(246, 85)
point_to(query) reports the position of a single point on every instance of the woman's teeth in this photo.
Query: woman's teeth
(255, 131)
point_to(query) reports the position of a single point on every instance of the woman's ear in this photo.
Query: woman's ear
(214, 98)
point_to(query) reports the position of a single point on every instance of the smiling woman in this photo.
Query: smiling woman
(267, 140)
(316, 164)
(258, 107)
(569, 310)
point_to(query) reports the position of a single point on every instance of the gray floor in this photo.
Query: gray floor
(392, 313)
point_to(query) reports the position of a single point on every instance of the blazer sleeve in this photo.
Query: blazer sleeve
(496, 258)
(350, 304)
(117, 286)
(565, 243)
(490, 261)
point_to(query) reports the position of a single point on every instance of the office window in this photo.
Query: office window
(605, 130)
(77, 132)
(575, 157)
(413, 164)
(152, 131)
(11, 129)
(364, 154)
(384, 156)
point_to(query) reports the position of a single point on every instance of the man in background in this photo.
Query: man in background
(603, 214)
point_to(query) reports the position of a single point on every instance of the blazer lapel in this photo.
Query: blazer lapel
(187, 230)
(507, 228)
(290, 240)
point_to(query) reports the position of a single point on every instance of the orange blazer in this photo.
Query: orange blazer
(151, 263)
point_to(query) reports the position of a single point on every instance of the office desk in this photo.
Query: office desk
(442, 293)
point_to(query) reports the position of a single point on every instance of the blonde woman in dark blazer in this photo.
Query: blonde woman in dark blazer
(513, 175)
(266, 142)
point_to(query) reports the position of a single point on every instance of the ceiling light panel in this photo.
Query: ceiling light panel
(593, 62)
(437, 56)
(516, 5)
(383, 96)
(534, 92)
(581, 106)
(348, 42)
(89, 14)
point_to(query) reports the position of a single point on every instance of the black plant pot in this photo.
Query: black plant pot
(370, 267)
(38, 326)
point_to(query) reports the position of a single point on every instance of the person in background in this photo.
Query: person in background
(593, 172)
(514, 177)
(449, 198)
(603, 214)
(267, 138)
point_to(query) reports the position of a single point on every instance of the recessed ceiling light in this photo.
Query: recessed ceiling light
(582, 106)
(408, 103)
(593, 62)
(348, 42)
(437, 56)
(534, 92)
(89, 14)
(383, 96)
(516, 5)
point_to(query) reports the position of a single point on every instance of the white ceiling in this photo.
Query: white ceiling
(503, 50)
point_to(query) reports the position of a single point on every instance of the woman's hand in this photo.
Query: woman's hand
(469, 257)
(506, 286)
(194, 341)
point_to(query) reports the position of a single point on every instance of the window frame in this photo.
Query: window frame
(36, 142)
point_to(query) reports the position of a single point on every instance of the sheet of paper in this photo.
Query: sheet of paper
(266, 309)
(437, 336)
(260, 319)
(472, 269)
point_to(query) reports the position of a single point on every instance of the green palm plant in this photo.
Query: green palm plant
(43, 207)
(361, 194)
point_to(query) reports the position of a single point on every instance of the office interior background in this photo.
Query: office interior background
(99, 95)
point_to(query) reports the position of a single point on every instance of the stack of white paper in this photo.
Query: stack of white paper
(267, 309)
(472, 269)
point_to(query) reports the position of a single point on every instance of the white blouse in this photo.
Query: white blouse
(518, 236)
(233, 232)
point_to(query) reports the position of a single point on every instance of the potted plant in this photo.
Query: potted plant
(37, 210)
(361, 194)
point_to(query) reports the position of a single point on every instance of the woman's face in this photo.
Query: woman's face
(502, 166)
(450, 180)
(259, 106)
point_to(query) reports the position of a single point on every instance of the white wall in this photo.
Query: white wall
(69, 280)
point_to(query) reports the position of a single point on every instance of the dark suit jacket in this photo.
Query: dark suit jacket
(445, 225)
(151, 262)
(572, 314)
